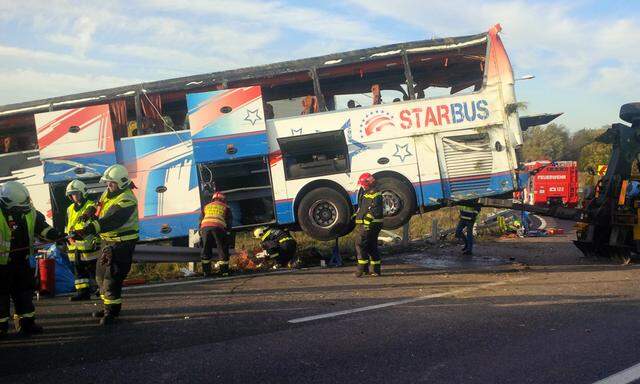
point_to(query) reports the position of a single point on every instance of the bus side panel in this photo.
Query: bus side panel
(430, 185)
(75, 143)
(283, 204)
(163, 170)
(474, 164)
(27, 168)
(227, 124)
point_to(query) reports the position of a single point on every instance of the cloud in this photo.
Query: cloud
(20, 85)
(41, 57)
(80, 36)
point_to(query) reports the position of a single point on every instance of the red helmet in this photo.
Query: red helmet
(366, 180)
(219, 196)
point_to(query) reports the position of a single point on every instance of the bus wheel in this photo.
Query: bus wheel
(399, 202)
(324, 214)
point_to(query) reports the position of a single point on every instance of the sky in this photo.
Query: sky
(584, 54)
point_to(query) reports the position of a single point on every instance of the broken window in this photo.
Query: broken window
(364, 84)
(450, 72)
(316, 154)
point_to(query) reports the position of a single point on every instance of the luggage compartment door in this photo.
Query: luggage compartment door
(227, 124)
(75, 143)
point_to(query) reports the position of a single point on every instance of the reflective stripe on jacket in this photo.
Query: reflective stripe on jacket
(215, 215)
(468, 212)
(129, 230)
(5, 235)
(88, 246)
(370, 209)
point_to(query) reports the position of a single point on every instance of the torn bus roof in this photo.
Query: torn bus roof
(257, 72)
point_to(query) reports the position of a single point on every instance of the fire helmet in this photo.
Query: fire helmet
(15, 196)
(118, 174)
(76, 186)
(219, 196)
(259, 232)
(366, 180)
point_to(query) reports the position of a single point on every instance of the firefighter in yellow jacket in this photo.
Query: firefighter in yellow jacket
(20, 223)
(117, 225)
(368, 225)
(82, 250)
(214, 228)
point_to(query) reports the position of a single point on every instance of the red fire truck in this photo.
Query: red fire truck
(552, 183)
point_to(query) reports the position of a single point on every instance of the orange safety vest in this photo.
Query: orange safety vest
(215, 215)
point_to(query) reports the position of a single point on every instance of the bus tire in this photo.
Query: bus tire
(399, 201)
(324, 214)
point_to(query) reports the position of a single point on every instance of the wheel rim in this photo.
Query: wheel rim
(392, 203)
(323, 213)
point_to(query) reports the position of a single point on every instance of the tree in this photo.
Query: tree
(594, 153)
(546, 143)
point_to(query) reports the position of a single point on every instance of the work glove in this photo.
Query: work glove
(89, 228)
(90, 214)
(106, 256)
(261, 255)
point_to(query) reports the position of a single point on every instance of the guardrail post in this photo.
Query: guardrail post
(405, 235)
(434, 230)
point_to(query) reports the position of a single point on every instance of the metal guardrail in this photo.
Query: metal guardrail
(168, 254)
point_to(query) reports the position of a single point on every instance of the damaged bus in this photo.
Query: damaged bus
(435, 121)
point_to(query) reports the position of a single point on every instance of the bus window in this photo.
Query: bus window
(363, 84)
(316, 154)
(441, 74)
(285, 93)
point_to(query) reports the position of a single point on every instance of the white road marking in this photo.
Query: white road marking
(543, 222)
(629, 375)
(400, 302)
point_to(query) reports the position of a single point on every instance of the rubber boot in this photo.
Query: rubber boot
(363, 269)
(4, 330)
(377, 270)
(27, 326)
(206, 269)
(81, 295)
(111, 313)
(224, 270)
(98, 314)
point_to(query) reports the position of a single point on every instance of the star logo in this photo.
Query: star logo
(296, 132)
(252, 116)
(402, 152)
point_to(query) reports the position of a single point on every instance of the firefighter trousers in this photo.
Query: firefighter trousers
(214, 237)
(17, 284)
(466, 226)
(85, 273)
(110, 276)
(286, 252)
(367, 248)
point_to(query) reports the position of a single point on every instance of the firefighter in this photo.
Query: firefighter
(82, 250)
(368, 219)
(20, 223)
(214, 227)
(117, 225)
(468, 214)
(277, 244)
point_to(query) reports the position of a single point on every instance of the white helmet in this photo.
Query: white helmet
(76, 186)
(118, 174)
(258, 232)
(14, 195)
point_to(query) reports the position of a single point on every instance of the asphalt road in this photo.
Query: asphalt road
(518, 311)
